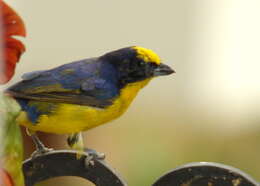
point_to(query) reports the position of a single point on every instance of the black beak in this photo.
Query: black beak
(163, 70)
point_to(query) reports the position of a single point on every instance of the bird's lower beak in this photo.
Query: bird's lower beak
(163, 70)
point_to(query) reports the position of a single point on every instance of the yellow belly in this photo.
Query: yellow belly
(69, 118)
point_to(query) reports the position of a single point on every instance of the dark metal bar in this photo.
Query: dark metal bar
(65, 163)
(205, 174)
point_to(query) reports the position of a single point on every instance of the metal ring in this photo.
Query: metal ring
(65, 163)
(204, 174)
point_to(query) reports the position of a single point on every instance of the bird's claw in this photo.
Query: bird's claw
(40, 152)
(89, 161)
(93, 155)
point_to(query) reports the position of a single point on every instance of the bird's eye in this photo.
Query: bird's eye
(153, 65)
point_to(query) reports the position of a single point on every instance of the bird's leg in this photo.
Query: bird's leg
(75, 141)
(40, 148)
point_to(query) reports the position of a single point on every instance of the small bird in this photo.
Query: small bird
(81, 95)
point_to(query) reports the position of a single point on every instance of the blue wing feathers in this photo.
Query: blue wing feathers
(90, 73)
(91, 80)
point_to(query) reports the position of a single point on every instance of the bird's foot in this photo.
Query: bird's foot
(40, 151)
(93, 155)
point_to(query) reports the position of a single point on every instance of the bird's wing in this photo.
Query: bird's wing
(66, 85)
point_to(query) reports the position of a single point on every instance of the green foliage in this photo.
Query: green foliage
(11, 151)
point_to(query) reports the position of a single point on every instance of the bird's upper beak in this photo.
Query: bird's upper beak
(163, 70)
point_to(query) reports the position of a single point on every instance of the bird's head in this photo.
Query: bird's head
(136, 64)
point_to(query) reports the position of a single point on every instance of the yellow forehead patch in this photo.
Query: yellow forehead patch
(147, 55)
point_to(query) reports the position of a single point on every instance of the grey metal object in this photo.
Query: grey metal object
(65, 163)
(205, 174)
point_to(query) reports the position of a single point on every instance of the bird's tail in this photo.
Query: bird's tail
(11, 148)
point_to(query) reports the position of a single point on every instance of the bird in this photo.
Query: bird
(84, 94)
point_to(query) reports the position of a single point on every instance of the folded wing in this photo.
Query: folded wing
(66, 84)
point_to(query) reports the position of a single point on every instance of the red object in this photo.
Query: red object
(11, 25)
(5, 178)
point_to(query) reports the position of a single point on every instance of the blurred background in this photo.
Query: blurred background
(207, 111)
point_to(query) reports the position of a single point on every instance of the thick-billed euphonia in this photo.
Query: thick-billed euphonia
(84, 94)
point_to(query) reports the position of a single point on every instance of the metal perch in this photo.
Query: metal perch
(65, 163)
